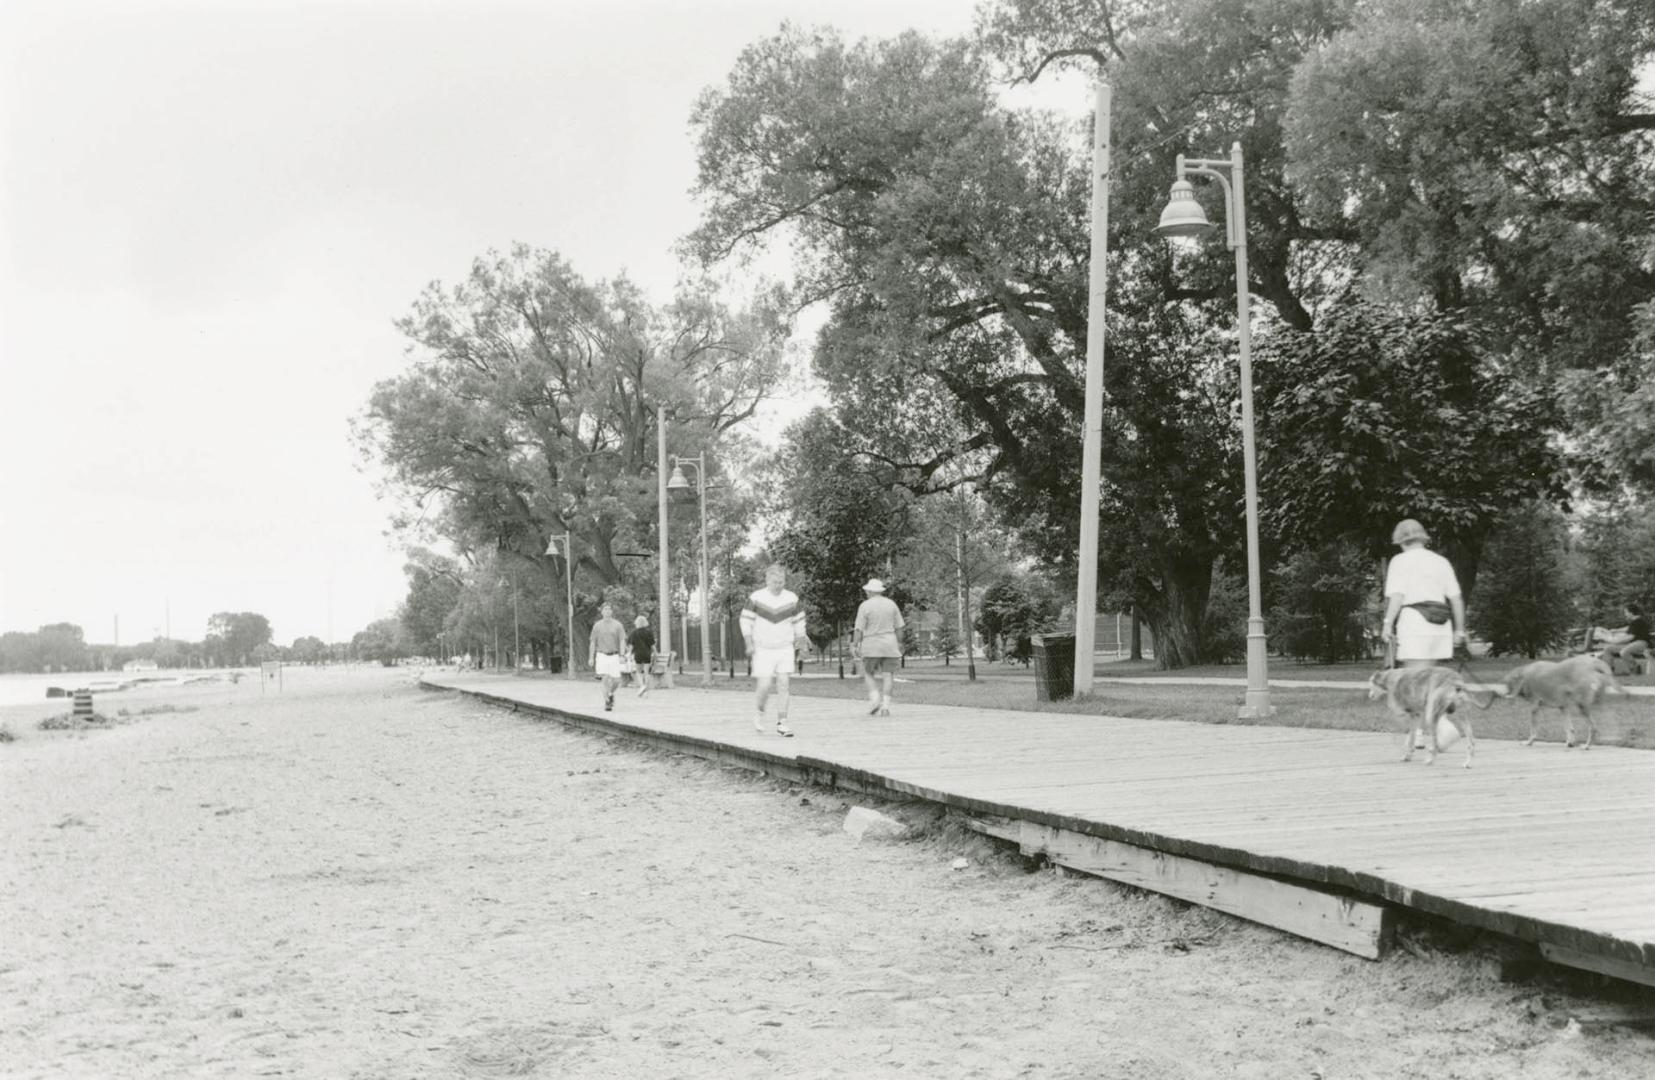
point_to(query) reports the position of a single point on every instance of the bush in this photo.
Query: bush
(1524, 601)
(1224, 628)
(1321, 597)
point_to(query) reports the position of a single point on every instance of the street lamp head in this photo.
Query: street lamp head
(1183, 215)
(677, 482)
(551, 546)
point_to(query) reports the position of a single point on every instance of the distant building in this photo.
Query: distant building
(140, 665)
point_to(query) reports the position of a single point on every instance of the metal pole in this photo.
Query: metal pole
(516, 633)
(665, 603)
(569, 597)
(1257, 702)
(706, 631)
(1086, 587)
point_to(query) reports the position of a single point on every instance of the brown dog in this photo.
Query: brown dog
(1579, 681)
(1424, 698)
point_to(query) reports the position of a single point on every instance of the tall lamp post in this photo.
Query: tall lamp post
(568, 594)
(516, 628)
(1183, 217)
(664, 602)
(678, 483)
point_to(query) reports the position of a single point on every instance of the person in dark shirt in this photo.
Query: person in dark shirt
(642, 643)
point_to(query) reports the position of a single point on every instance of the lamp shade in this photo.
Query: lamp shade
(552, 546)
(676, 481)
(1183, 215)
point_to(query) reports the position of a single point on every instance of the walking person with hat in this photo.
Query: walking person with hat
(1424, 610)
(878, 643)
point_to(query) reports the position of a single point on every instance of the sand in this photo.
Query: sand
(358, 878)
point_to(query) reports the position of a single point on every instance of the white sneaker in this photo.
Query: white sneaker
(783, 730)
(758, 724)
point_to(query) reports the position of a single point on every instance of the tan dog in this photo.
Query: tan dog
(1425, 698)
(1579, 681)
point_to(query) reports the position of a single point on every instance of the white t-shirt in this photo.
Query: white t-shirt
(1421, 574)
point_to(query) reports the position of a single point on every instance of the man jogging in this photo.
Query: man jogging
(773, 626)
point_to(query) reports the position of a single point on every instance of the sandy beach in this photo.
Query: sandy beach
(358, 878)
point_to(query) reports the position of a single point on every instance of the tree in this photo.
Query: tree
(530, 409)
(1320, 597)
(232, 636)
(434, 584)
(1014, 608)
(836, 524)
(1383, 414)
(1525, 600)
(1490, 156)
(947, 643)
(308, 650)
(947, 236)
(1618, 550)
(381, 641)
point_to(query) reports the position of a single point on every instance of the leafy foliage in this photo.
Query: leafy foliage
(1382, 414)
(530, 409)
(232, 636)
(1525, 599)
(1320, 601)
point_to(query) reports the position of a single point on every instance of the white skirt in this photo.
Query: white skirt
(1418, 638)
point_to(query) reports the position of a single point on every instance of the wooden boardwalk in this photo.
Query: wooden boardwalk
(1548, 845)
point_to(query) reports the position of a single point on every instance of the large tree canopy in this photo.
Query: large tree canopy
(1491, 155)
(529, 408)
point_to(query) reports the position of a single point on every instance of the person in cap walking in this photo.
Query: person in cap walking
(878, 643)
(1424, 610)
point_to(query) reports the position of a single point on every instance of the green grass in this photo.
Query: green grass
(1620, 721)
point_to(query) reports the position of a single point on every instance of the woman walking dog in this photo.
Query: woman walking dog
(1424, 611)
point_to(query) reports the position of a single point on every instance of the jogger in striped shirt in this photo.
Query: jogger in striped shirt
(773, 626)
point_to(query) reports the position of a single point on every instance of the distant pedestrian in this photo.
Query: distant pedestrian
(608, 639)
(878, 643)
(1424, 611)
(773, 626)
(642, 643)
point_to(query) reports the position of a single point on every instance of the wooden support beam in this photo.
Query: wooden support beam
(1343, 922)
(1612, 966)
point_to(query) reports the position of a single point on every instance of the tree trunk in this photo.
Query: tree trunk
(1177, 611)
(1137, 635)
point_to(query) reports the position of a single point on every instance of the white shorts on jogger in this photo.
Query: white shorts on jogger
(768, 662)
(608, 664)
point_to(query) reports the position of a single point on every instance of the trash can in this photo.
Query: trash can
(1054, 667)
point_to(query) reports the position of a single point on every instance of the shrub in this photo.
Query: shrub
(1524, 601)
(1321, 596)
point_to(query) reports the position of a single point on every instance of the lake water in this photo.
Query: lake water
(28, 689)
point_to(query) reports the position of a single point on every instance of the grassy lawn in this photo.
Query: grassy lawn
(1620, 721)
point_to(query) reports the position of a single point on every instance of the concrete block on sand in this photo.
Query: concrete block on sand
(862, 822)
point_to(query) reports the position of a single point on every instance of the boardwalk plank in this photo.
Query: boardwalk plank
(1538, 842)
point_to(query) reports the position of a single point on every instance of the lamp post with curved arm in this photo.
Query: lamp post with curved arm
(679, 483)
(1183, 217)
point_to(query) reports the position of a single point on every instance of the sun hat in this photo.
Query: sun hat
(1408, 529)
(874, 585)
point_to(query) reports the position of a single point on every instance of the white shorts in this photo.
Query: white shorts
(768, 662)
(1418, 638)
(608, 664)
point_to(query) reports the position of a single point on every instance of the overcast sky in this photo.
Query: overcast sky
(210, 214)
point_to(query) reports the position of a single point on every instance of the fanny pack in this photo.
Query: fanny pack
(1435, 611)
